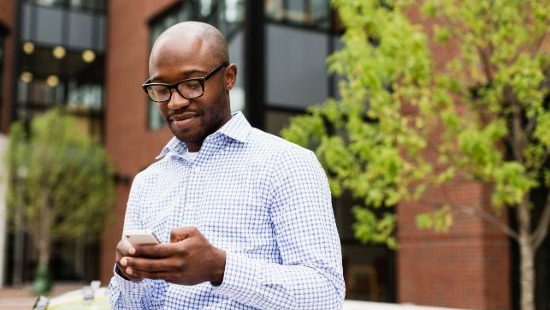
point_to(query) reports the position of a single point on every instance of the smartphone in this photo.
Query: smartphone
(141, 236)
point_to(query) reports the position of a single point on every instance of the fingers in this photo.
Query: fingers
(153, 268)
(162, 250)
(142, 274)
(123, 271)
(147, 264)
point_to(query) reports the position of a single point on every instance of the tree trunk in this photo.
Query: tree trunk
(527, 274)
(42, 235)
(527, 257)
(42, 283)
(44, 252)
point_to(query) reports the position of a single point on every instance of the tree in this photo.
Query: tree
(407, 123)
(61, 183)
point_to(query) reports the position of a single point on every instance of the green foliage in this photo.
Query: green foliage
(61, 181)
(439, 220)
(408, 122)
(367, 223)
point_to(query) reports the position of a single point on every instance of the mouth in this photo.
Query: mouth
(183, 120)
(183, 116)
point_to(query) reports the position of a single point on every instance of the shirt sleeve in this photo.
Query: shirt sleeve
(135, 295)
(310, 275)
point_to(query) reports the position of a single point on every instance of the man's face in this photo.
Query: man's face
(191, 120)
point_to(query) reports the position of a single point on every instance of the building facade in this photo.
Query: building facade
(92, 56)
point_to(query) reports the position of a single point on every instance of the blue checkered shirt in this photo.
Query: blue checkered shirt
(263, 200)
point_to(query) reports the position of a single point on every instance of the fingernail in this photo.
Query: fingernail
(123, 261)
(132, 251)
(129, 270)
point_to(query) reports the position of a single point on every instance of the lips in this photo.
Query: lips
(182, 116)
(183, 121)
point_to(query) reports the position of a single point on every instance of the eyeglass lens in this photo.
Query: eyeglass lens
(189, 89)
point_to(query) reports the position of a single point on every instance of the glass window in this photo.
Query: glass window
(236, 52)
(226, 15)
(81, 30)
(57, 25)
(84, 5)
(49, 2)
(299, 37)
(91, 5)
(276, 120)
(48, 25)
(311, 13)
(296, 67)
(84, 96)
(61, 75)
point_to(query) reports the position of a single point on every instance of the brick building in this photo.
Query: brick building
(280, 48)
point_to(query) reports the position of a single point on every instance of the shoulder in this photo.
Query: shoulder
(279, 153)
(267, 145)
(262, 139)
(153, 172)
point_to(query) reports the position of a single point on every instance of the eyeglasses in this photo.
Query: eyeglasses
(189, 88)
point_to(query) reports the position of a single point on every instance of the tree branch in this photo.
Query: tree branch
(486, 64)
(541, 231)
(517, 138)
(530, 128)
(480, 213)
(538, 45)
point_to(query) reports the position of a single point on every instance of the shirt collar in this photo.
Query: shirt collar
(237, 128)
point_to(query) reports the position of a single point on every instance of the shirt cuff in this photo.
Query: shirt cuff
(118, 272)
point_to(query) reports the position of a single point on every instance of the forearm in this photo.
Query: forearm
(273, 286)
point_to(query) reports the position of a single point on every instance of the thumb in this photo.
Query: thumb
(124, 248)
(182, 233)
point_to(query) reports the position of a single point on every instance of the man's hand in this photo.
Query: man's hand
(188, 259)
(124, 248)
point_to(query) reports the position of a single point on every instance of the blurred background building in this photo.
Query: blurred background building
(92, 57)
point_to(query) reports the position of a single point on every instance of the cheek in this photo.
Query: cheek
(216, 108)
(162, 108)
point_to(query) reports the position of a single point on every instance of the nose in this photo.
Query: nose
(176, 100)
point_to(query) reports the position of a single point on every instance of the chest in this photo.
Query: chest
(229, 202)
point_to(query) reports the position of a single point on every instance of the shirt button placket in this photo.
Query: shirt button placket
(193, 194)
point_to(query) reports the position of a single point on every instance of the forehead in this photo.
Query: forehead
(181, 49)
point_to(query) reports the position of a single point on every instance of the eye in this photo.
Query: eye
(193, 84)
(159, 89)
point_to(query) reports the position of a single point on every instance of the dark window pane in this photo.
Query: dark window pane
(79, 5)
(275, 120)
(296, 66)
(310, 13)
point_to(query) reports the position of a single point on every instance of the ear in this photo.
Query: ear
(230, 76)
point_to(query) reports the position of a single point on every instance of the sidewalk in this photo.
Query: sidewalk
(21, 298)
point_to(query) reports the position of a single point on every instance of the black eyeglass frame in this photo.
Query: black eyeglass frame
(201, 81)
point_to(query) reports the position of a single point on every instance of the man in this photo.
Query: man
(244, 217)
